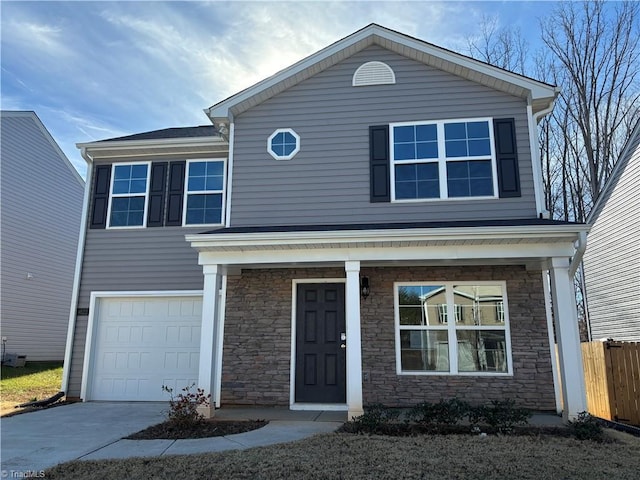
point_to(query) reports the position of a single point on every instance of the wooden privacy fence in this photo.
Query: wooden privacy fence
(612, 380)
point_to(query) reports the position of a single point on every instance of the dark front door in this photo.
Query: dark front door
(320, 355)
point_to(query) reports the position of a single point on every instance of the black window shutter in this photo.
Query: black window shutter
(157, 188)
(101, 184)
(379, 163)
(176, 193)
(504, 130)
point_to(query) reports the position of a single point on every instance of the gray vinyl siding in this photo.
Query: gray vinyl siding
(41, 211)
(612, 259)
(125, 260)
(328, 180)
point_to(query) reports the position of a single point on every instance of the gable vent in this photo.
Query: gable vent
(373, 73)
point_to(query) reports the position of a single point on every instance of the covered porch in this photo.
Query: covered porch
(347, 254)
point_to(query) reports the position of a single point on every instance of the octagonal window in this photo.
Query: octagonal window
(283, 144)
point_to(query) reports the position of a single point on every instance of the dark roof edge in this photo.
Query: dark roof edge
(392, 226)
(168, 133)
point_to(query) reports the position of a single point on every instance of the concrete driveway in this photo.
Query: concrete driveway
(38, 440)
(34, 441)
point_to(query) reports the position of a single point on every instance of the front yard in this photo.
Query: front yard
(347, 456)
(35, 381)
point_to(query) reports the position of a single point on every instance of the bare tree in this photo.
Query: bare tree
(504, 48)
(595, 54)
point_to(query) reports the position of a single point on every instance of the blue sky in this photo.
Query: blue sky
(95, 70)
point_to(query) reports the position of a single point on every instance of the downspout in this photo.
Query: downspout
(536, 161)
(577, 257)
(232, 133)
(66, 370)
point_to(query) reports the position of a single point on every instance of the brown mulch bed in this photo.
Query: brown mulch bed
(203, 429)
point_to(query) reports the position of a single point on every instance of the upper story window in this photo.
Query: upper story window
(443, 159)
(204, 192)
(283, 144)
(428, 340)
(129, 190)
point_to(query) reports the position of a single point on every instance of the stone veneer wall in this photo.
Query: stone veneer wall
(257, 339)
(256, 357)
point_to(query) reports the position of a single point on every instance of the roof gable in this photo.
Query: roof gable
(47, 136)
(626, 156)
(540, 94)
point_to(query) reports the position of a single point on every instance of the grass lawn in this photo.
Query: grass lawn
(36, 380)
(352, 456)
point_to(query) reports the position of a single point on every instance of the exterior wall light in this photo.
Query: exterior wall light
(365, 290)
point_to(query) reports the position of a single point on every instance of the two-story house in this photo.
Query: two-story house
(40, 204)
(365, 226)
(612, 261)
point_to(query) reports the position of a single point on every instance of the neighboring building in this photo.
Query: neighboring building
(40, 215)
(612, 260)
(294, 252)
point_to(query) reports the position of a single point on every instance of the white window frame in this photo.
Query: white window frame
(442, 160)
(451, 328)
(295, 150)
(186, 192)
(123, 195)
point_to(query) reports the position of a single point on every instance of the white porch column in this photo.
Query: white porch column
(354, 342)
(208, 370)
(565, 317)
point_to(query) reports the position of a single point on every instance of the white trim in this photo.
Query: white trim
(557, 388)
(321, 253)
(354, 339)
(565, 317)
(292, 370)
(452, 328)
(536, 163)
(373, 73)
(217, 387)
(87, 364)
(75, 289)
(442, 160)
(159, 142)
(329, 407)
(128, 195)
(283, 157)
(229, 184)
(186, 192)
(534, 232)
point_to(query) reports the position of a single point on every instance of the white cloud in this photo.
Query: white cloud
(99, 70)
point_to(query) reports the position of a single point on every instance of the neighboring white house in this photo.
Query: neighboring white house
(612, 259)
(41, 204)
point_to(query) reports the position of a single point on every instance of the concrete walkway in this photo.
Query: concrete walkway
(34, 441)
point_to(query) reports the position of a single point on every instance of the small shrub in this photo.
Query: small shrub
(376, 419)
(448, 412)
(586, 427)
(502, 415)
(183, 407)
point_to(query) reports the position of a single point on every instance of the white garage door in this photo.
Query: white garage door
(143, 343)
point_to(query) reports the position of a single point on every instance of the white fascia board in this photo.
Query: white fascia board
(166, 142)
(382, 254)
(202, 241)
(539, 90)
